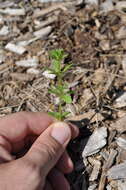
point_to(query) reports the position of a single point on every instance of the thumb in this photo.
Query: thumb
(49, 147)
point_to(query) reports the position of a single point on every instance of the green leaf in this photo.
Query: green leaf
(58, 54)
(61, 89)
(65, 114)
(58, 90)
(66, 68)
(71, 92)
(52, 71)
(67, 98)
(57, 115)
(54, 90)
(56, 66)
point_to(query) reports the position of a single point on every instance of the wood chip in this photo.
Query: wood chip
(121, 5)
(121, 156)
(3, 66)
(96, 169)
(22, 77)
(90, 115)
(28, 42)
(44, 32)
(33, 71)
(106, 166)
(120, 124)
(95, 142)
(31, 62)
(118, 171)
(105, 45)
(105, 155)
(107, 6)
(124, 64)
(6, 4)
(49, 10)
(4, 31)
(108, 187)
(121, 142)
(47, 1)
(121, 33)
(47, 22)
(2, 56)
(15, 48)
(91, 2)
(111, 159)
(92, 187)
(13, 12)
(121, 184)
(120, 101)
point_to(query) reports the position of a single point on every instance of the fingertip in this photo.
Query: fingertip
(61, 132)
(70, 166)
(65, 164)
(74, 130)
(57, 180)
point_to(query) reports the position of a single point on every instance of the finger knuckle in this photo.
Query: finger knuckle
(49, 150)
(31, 167)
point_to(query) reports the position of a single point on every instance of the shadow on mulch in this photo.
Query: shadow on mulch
(78, 179)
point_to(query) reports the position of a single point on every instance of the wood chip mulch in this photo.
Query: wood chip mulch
(93, 34)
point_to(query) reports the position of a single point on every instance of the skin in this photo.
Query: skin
(29, 157)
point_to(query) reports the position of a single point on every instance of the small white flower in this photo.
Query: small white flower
(49, 75)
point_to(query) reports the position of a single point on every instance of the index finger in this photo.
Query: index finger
(16, 127)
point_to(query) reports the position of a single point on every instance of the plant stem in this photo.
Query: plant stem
(60, 80)
(60, 110)
(60, 83)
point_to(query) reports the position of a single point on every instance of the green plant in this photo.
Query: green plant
(60, 89)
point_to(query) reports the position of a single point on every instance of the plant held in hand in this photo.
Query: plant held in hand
(60, 89)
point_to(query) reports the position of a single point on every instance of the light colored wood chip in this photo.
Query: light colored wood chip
(31, 62)
(96, 169)
(95, 142)
(13, 12)
(44, 32)
(15, 48)
(121, 142)
(117, 171)
(33, 71)
(4, 31)
(48, 10)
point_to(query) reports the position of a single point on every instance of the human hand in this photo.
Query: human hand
(43, 166)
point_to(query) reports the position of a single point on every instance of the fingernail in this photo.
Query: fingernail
(61, 132)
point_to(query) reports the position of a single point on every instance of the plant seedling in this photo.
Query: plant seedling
(60, 89)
